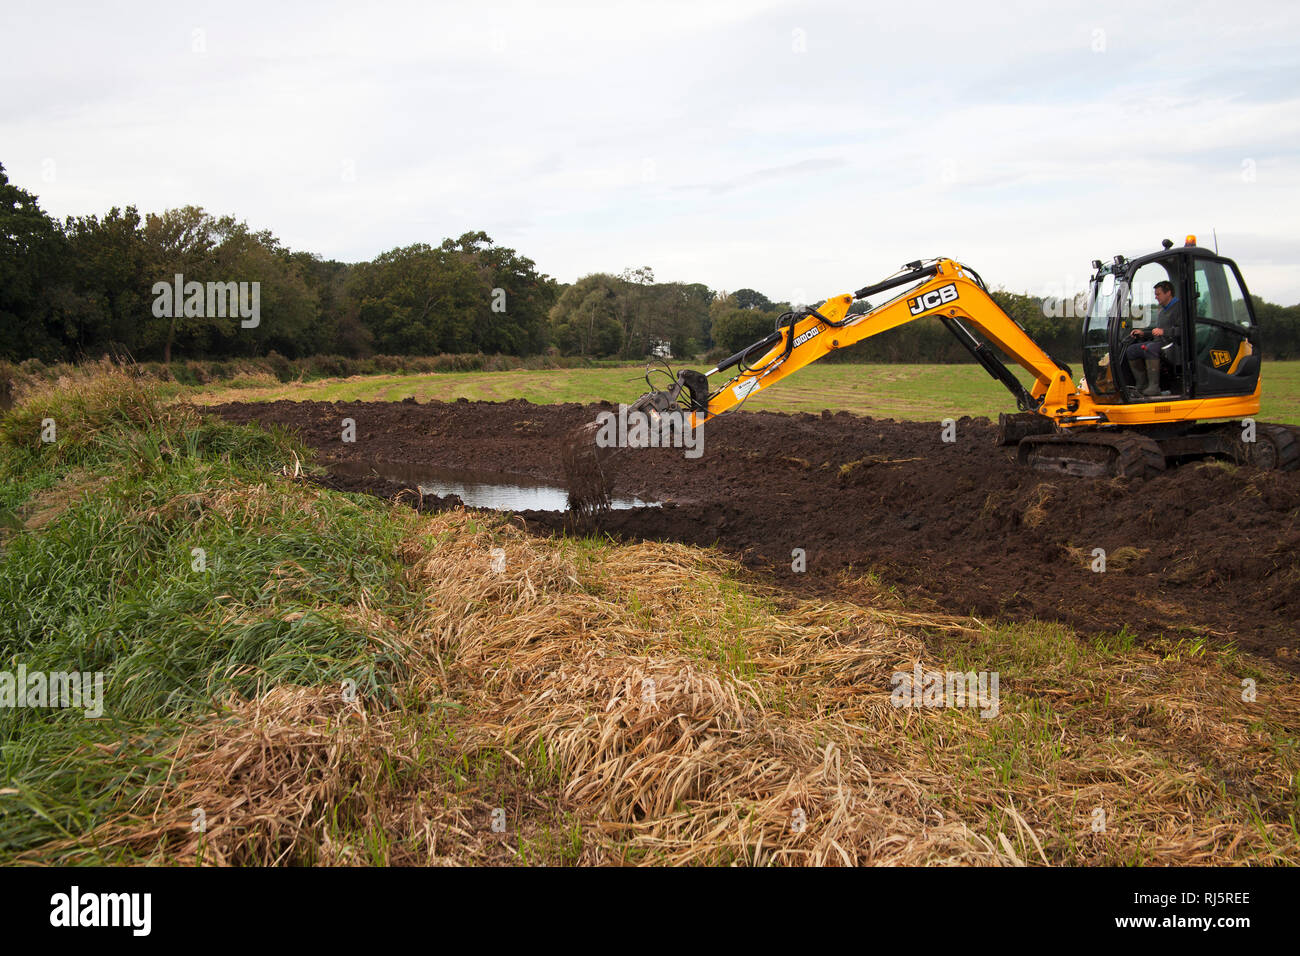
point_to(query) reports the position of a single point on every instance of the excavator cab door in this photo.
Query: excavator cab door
(1225, 351)
(1123, 300)
(1146, 313)
(1099, 329)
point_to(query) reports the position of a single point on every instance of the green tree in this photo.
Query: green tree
(203, 248)
(585, 319)
(418, 300)
(634, 297)
(32, 261)
(466, 295)
(1279, 329)
(740, 327)
(682, 314)
(181, 242)
(336, 329)
(290, 309)
(751, 299)
(511, 314)
(109, 268)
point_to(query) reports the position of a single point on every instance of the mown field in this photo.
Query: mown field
(340, 680)
(917, 392)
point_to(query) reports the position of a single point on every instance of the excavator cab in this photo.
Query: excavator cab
(1212, 350)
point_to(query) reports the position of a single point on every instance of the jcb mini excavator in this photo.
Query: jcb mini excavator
(1202, 385)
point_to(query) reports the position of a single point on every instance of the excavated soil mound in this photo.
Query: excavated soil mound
(1204, 550)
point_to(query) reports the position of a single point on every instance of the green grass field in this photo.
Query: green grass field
(919, 392)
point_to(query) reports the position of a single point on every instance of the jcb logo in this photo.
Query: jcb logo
(932, 299)
(1220, 357)
(811, 333)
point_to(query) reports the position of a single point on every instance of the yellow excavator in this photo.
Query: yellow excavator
(1188, 305)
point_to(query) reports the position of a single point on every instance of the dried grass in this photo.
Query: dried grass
(292, 776)
(1036, 512)
(46, 506)
(639, 697)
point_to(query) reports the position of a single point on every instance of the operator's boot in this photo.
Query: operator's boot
(1153, 377)
(1139, 372)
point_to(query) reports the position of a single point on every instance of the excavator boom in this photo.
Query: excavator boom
(947, 290)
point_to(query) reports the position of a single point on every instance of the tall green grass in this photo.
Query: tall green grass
(99, 572)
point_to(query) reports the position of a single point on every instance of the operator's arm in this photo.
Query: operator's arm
(1169, 321)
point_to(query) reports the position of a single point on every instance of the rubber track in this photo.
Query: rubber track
(1287, 441)
(1134, 456)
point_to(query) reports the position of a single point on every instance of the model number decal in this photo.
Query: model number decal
(933, 299)
(801, 339)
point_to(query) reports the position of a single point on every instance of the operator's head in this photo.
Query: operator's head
(1164, 293)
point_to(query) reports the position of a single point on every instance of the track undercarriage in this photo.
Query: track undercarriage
(1143, 452)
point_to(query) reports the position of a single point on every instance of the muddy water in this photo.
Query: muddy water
(478, 489)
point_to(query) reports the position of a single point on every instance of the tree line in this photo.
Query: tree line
(91, 285)
(87, 285)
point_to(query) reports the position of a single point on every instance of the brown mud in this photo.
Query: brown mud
(1206, 550)
(589, 471)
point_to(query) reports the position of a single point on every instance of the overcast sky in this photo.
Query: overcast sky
(803, 149)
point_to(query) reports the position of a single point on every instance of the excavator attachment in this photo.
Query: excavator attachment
(1013, 428)
(590, 468)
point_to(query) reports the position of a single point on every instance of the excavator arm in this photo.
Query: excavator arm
(947, 290)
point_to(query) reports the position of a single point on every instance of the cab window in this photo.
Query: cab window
(1096, 339)
(1142, 311)
(1225, 356)
(1143, 307)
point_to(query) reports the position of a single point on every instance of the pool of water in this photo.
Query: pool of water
(479, 489)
